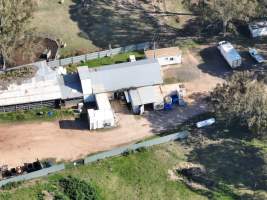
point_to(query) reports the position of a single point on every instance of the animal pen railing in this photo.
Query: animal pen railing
(100, 54)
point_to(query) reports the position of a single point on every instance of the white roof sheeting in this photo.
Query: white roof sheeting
(43, 87)
(102, 101)
(123, 76)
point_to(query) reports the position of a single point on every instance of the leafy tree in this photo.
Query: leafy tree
(242, 100)
(227, 11)
(14, 18)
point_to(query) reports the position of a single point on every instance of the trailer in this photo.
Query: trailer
(229, 53)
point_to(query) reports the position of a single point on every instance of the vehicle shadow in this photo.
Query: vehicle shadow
(213, 63)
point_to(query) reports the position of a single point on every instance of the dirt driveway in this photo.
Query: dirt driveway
(21, 143)
(26, 142)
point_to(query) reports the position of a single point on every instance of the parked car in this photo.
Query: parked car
(254, 54)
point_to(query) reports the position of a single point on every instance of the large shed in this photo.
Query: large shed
(120, 76)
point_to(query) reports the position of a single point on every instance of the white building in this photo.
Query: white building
(104, 116)
(137, 79)
(165, 56)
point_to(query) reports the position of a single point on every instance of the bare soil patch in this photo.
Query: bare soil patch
(30, 50)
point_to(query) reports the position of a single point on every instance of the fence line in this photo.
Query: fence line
(96, 157)
(86, 57)
(149, 143)
(100, 54)
(33, 175)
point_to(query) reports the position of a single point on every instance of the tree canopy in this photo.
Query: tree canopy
(242, 100)
(226, 11)
(14, 18)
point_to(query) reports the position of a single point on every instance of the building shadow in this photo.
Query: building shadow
(77, 124)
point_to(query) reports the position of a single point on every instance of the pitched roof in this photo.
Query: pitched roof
(123, 76)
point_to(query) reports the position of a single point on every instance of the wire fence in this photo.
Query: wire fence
(133, 147)
(33, 175)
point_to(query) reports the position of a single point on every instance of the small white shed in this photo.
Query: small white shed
(99, 119)
(165, 56)
(104, 116)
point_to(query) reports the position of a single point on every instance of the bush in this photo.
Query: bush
(242, 101)
(11, 185)
(75, 188)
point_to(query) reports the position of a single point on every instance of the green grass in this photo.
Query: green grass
(142, 175)
(120, 58)
(34, 115)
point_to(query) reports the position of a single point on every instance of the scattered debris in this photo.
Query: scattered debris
(16, 76)
(193, 175)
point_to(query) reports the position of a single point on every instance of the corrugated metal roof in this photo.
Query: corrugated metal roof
(43, 87)
(123, 76)
(145, 95)
(102, 101)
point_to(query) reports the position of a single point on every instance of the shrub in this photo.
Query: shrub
(75, 188)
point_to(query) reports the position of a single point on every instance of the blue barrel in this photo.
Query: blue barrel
(167, 106)
(175, 99)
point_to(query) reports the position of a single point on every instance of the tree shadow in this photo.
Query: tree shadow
(120, 23)
(233, 162)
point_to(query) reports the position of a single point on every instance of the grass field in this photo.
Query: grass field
(137, 176)
(44, 114)
(104, 24)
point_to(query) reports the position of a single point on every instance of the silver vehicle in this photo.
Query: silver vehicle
(254, 54)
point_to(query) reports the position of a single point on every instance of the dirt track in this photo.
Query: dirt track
(26, 142)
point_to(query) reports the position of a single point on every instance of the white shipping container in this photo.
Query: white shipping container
(99, 119)
(230, 54)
